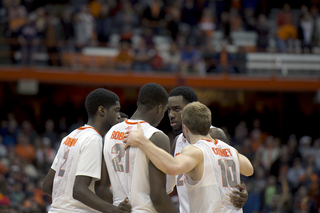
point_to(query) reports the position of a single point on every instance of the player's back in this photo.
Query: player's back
(128, 169)
(67, 163)
(221, 174)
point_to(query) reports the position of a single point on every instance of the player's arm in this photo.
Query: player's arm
(185, 162)
(102, 187)
(173, 146)
(48, 182)
(159, 197)
(89, 169)
(217, 133)
(246, 167)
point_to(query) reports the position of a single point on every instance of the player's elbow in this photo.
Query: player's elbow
(248, 172)
(77, 193)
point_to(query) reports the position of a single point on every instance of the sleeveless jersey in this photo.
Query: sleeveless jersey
(221, 174)
(128, 169)
(179, 179)
(79, 153)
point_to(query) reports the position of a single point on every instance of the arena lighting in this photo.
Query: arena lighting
(27, 87)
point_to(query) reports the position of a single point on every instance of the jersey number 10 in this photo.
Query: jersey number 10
(228, 172)
(119, 149)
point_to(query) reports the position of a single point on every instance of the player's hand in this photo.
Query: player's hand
(133, 137)
(124, 206)
(239, 198)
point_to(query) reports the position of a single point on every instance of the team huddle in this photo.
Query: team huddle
(112, 166)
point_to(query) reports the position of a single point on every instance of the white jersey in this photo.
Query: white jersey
(221, 174)
(80, 153)
(181, 143)
(129, 169)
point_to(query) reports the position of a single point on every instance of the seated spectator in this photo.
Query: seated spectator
(262, 30)
(9, 131)
(126, 19)
(16, 195)
(45, 154)
(190, 59)
(24, 149)
(157, 63)
(83, 27)
(190, 14)
(305, 147)
(235, 20)
(206, 23)
(153, 16)
(295, 172)
(250, 22)
(310, 180)
(172, 58)
(124, 59)
(29, 40)
(49, 132)
(225, 65)
(306, 32)
(286, 28)
(142, 57)
(173, 17)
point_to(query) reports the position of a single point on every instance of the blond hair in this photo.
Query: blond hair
(197, 117)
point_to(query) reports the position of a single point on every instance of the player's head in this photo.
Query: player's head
(196, 118)
(178, 99)
(102, 104)
(153, 98)
(123, 116)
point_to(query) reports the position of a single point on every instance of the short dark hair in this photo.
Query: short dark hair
(197, 117)
(188, 94)
(100, 97)
(152, 94)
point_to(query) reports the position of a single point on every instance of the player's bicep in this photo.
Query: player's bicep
(189, 158)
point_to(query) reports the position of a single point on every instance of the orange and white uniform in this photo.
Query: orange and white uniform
(80, 153)
(221, 174)
(128, 169)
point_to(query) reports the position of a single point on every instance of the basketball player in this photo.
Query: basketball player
(178, 99)
(77, 165)
(131, 173)
(211, 167)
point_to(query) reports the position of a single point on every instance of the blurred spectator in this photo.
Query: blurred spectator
(40, 21)
(17, 19)
(173, 17)
(250, 22)
(190, 59)
(153, 16)
(262, 30)
(24, 149)
(157, 63)
(206, 23)
(286, 28)
(104, 23)
(52, 35)
(189, 13)
(314, 10)
(147, 36)
(3, 149)
(295, 172)
(172, 58)
(315, 152)
(83, 27)
(226, 26)
(270, 191)
(67, 25)
(50, 133)
(16, 195)
(256, 139)
(9, 131)
(142, 57)
(225, 64)
(310, 180)
(268, 152)
(95, 7)
(305, 147)
(282, 162)
(235, 20)
(306, 32)
(124, 59)
(28, 131)
(45, 154)
(126, 19)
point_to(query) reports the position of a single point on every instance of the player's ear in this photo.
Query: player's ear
(159, 108)
(102, 111)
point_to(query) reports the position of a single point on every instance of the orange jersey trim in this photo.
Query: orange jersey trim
(215, 140)
(89, 127)
(133, 123)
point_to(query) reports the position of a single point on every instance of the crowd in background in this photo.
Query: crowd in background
(189, 25)
(286, 177)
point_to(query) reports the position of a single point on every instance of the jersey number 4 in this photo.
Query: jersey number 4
(119, 149)
(228, 172)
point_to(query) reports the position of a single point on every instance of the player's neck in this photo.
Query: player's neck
(195, 138)
(138, 115)
(97, 126)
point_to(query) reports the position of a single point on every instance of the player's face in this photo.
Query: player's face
(175, 107)
(113, 114)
